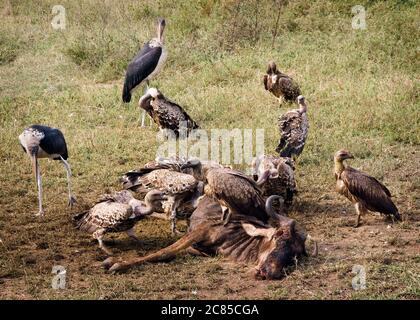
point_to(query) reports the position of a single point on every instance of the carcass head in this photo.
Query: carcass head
(283, 244)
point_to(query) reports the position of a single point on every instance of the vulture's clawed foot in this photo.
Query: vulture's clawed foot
(176, 232)
(113, 266)
(119, 267)
(108, 262)
(40, 213)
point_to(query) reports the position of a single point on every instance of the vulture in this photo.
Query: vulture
(280, 84)
(276, 176)
(236, 192)
(145, 65)
(364, 191)
(293, 127)
(118, 212)
(40, 141)
(170, 163)
(180, 188)
(167, 114)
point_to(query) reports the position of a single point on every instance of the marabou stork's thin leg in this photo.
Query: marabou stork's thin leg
(143, 114)
(39, 184)
(72, 200)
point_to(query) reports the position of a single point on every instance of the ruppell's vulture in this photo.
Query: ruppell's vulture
(118, 212)
(177, 186)
(166, 114)
(276, 177)
(280, 84)
(293, 127)
(364, 191)
(44, 142)
(145, 65)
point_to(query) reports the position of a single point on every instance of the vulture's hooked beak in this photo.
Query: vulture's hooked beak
(185, 166)
(263, 178)
(144, 101)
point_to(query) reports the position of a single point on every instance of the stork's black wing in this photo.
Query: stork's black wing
(53, 141)
(140, 68)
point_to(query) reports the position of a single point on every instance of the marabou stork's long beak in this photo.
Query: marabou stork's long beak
(161, 28)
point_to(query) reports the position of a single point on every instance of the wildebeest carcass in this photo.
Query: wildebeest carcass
(271, 247)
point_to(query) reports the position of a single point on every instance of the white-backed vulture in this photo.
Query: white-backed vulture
(364, 191)
(118, 212)
(236, 192)
(293, 127)
(280, 85)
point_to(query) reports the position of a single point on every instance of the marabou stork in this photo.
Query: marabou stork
(44, 142)
(145, 65)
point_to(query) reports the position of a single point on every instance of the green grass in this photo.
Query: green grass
(362, 89)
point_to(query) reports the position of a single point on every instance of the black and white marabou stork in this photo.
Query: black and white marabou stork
(44, 142)
(145, 65)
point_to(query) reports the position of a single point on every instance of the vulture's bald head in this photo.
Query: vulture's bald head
(343, 155)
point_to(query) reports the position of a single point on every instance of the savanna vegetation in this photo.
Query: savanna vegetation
(362, 90)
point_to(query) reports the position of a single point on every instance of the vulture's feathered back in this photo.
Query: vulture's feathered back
(179, 187)
(166, 114)
(111, 212)
(116, 212)
(280, 84)
(165, 180)
(293, 127)
(275, 176)
(366, 192)
(236, 191)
